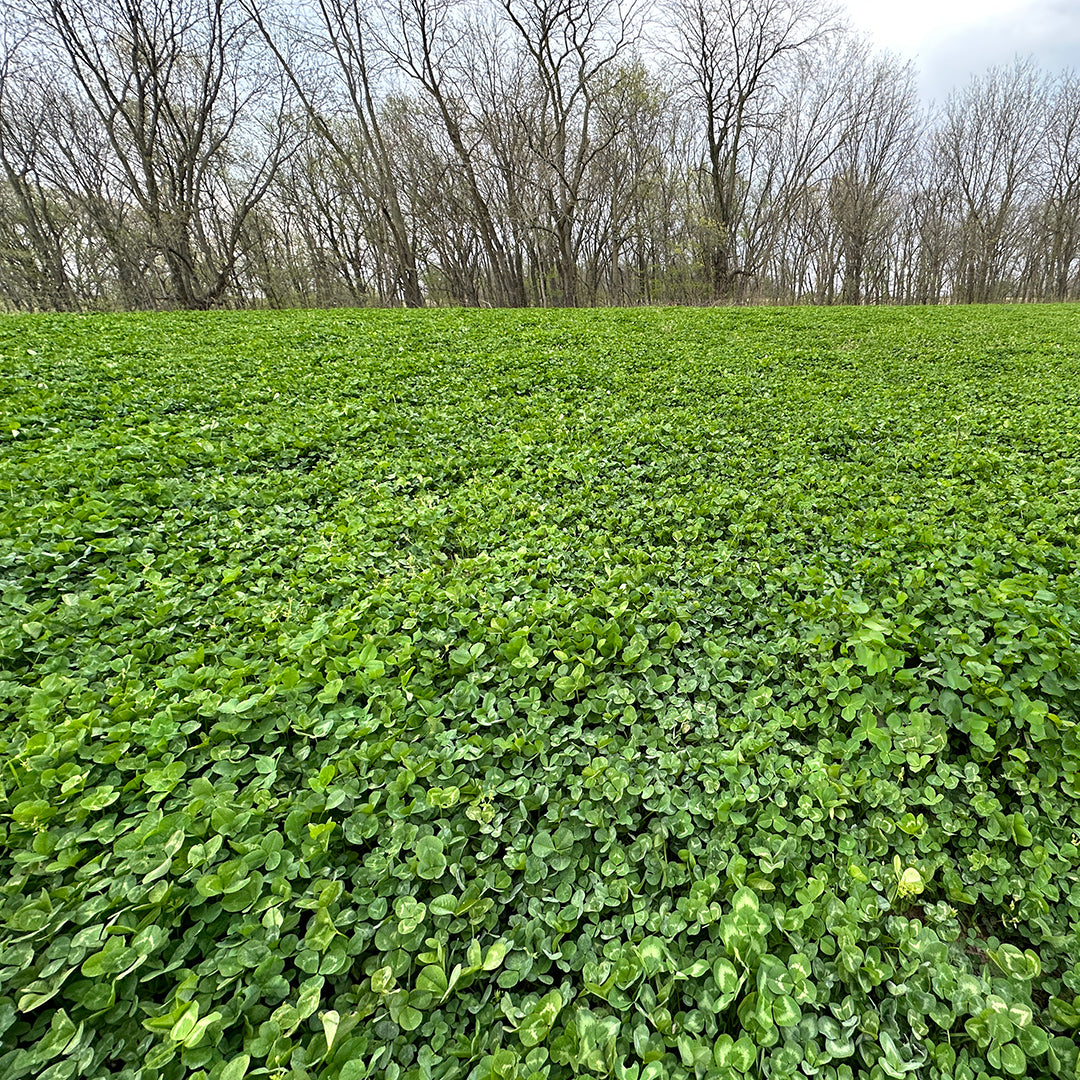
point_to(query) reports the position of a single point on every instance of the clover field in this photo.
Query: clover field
(656, 695)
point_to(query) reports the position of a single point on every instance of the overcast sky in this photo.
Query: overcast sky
(950, 40)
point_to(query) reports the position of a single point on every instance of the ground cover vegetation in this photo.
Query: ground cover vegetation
(654, 694)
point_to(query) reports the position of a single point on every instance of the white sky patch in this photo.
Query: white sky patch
(951, 40)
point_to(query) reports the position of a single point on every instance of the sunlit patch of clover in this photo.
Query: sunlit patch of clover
(482, 808)
(941, 912)
(1013, 918)
(909, 882)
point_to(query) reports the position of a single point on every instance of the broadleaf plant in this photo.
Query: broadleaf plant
(653, 695)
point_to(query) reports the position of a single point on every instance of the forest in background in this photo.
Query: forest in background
(161, 154)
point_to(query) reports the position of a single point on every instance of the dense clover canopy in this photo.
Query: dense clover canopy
(441, 695)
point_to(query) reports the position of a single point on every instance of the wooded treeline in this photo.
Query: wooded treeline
(199, 153)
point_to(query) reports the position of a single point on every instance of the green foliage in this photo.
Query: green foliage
(642, 695)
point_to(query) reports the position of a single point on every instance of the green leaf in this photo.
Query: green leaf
(237, 1068)
(536, 1024)
(330, 1022)
(743, 1054)
(433, 980)
(198, 1032)
(409, 1018)
(745, 906)
(727, 977)
(653, 955)
(446, 904)
(186, 1022)
(722, 1051)
(406, 1015)
(1013, 1060)
(1022, 835)
(1033, 1041)
(786, 1012)
(495, 954)
(799, 966)
(1018, 965)
(431, 861)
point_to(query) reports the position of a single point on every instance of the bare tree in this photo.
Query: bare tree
(730, 54)
(568, 44)
(873, 161)
(1059, 210)
(626, 185)
(178, 93)
(511, 152)
(989, 144)
(787, 166)
(340, 32)
(431, 42)
(33, 221)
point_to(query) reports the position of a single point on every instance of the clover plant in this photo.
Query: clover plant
(654, 695)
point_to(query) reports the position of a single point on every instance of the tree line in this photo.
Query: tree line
(201, 153)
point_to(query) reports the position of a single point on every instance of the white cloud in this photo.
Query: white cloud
(951, 40)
